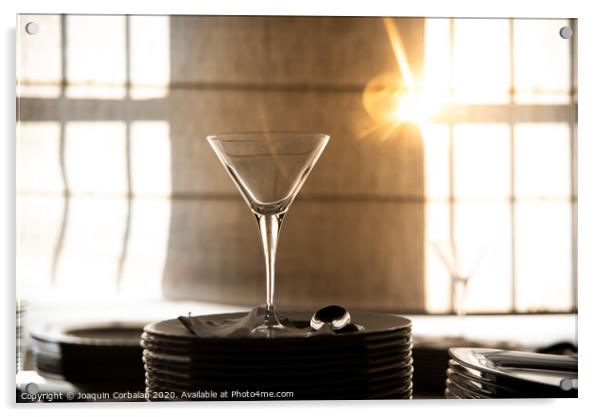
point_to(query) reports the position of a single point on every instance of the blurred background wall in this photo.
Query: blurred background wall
(119, 195)
(353, 235)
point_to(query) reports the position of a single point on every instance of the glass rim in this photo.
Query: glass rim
(262, 136)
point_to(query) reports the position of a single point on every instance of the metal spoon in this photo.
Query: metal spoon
(336, 317)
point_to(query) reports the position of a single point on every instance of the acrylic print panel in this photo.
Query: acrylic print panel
(447, 194)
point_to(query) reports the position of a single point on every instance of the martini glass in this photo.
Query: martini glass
(268, 169)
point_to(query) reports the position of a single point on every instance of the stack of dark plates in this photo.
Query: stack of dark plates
(493, 373)
(91, 356)
(372, 362)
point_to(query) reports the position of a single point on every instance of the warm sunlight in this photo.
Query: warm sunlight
(393, 99)
(415, 107)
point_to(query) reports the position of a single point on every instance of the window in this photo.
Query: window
(92, 219)
(500, 164)
(105, 151)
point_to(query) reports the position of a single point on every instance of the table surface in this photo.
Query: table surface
(530, 330)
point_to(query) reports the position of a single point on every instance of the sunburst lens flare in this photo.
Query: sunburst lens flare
(389, 102)
(396, 98)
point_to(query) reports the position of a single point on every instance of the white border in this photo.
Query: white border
(590, 188)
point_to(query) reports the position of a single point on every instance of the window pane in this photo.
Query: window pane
(482, 161)
(542, 61)
(38, 157)
(149, 56)
(484, 246)
(96, 56)
(437, 276)
(93, 245)
(95, 157)
(150, 154)
(147, 247)
(39, 67)
(543, 256)
(38, 228)
(436, 160)
(481, 60)
(542, 160)
(437, 62)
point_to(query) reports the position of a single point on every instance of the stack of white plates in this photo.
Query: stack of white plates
(476, 373)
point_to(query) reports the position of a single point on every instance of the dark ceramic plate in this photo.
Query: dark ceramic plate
(89, 353)
(315, 390)
(246, 358)
(373, 324)
(286, 382)
(285, 363)
(358, 352)
(90, 334)
(189, 375)
(324, 343)
(163, 393)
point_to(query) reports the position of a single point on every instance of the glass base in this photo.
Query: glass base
(263, 322)
(268, 329)
(256, 323)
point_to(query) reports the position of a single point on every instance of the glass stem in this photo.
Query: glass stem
(269, 228)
